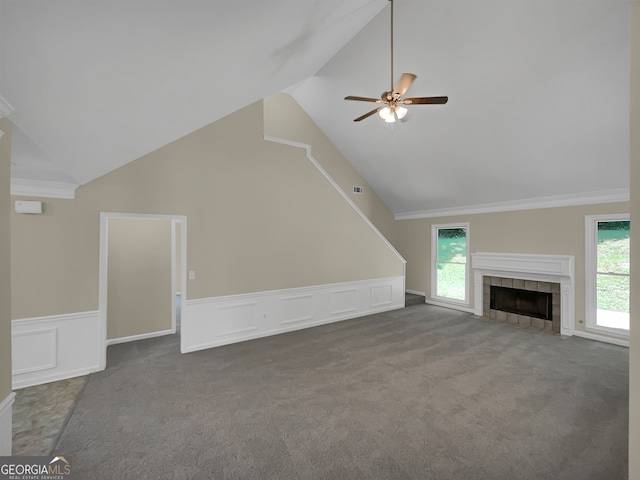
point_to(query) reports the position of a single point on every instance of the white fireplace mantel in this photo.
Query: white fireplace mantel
(526, 266)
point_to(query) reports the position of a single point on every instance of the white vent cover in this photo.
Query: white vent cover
(357, 189)
(24, 206)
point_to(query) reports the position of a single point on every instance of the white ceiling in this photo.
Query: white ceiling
(97, 84)
(538, 90)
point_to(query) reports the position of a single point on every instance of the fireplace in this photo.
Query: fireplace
(549, 279)
(522, 302)
(526, 303)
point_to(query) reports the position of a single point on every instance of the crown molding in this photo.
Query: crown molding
(22, 187)
(5, 107)
(571, 200)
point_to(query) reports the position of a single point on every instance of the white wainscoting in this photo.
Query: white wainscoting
(6, 423)
(212, 322)
(141, 336)
(47, 349)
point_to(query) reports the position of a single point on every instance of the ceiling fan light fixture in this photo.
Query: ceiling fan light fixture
(391, 118)
(401, 112)
(385, 113)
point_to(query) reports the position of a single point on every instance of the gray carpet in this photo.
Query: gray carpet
(418, 393)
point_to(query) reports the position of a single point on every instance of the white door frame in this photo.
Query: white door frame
(104, 262)
(590, 270)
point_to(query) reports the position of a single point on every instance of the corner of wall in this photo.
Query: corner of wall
(634, 176)
(6, 397)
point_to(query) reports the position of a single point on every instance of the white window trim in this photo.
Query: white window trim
(590, 270)
(434, 258)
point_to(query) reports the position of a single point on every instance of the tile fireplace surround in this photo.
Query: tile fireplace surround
(547, 326)
(553, 273)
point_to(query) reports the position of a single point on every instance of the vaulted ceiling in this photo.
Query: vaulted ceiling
(538, 90)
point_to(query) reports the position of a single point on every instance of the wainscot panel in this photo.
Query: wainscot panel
(212, 322)
(47, 349)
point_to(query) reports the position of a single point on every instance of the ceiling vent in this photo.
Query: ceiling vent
(358, 189)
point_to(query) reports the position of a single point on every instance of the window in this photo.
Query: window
(607, 267)
(449, 269)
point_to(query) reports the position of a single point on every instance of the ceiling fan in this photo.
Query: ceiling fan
(392, 100)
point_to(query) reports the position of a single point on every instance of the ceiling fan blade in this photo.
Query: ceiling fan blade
(363, 99)
(367, 115)
(425, 101)
(403, 85)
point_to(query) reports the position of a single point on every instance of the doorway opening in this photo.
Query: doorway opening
(142, 278)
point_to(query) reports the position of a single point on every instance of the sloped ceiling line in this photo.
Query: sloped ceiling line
(99, 84)
(538, 103)
(538, 90)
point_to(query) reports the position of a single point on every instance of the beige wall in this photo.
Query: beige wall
(5, 256)
(139, 277)
(284, 118)
(557, 231)
(260, 217)
(634, 374)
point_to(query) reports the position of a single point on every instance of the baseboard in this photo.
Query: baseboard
(56, 347)
(602, 338)
(6, 423)
(217, 321)
(54, 377)
(415, 292)
(142, 336)
(452, 306)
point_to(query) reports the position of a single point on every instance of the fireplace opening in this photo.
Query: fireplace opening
(522, 302)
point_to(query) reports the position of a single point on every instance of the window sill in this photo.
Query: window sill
(601, 337)
(611, 332)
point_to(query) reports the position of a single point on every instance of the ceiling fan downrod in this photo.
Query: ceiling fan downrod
(391, 82)
(392, 101)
